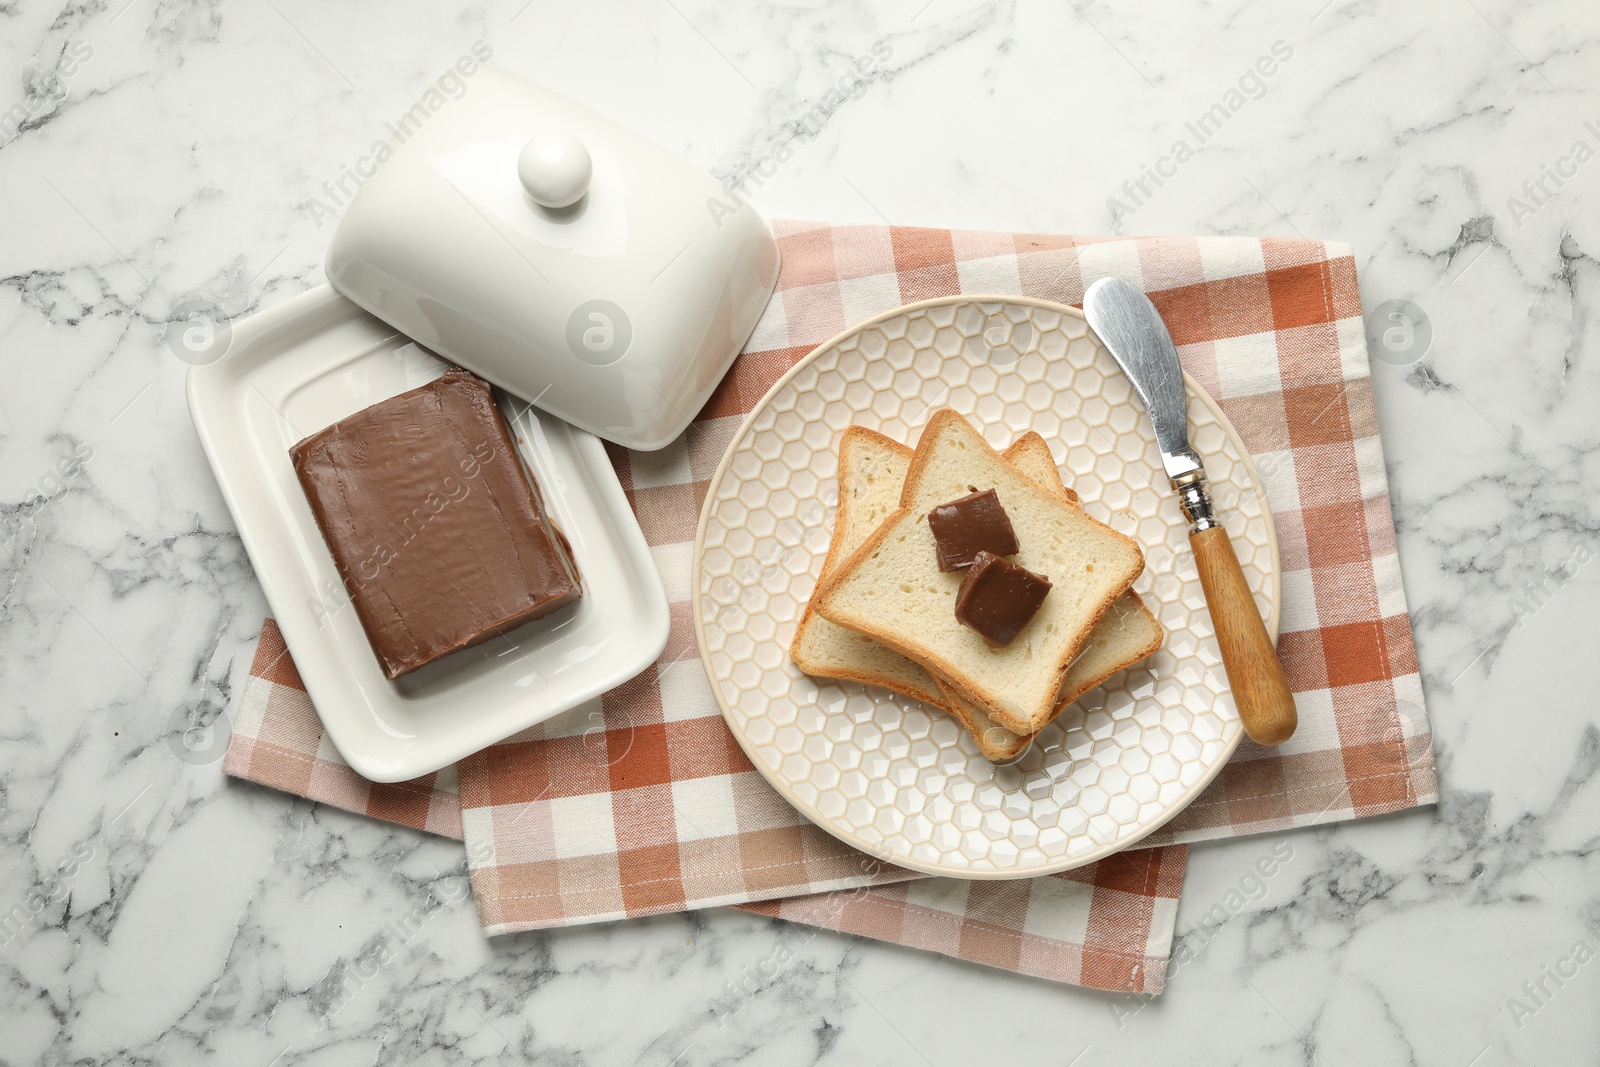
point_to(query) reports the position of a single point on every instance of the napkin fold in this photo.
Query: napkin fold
(642, 801)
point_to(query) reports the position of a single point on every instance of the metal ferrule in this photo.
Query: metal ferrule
(1194, 497)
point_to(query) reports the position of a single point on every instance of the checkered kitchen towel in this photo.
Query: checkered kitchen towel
(644, 803)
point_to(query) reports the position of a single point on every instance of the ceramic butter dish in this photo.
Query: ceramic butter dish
(562, 257)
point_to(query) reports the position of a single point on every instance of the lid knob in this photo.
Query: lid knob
(555, 169)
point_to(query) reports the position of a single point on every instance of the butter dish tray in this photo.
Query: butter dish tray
(304, 364)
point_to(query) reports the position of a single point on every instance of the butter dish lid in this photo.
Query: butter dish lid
(554, 252)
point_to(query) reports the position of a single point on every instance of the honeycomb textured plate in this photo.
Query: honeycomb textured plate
(904, 781)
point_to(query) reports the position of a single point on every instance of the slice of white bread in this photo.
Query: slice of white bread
(1128, 631)
(890, 588)
(1126, 634)
(872, 471)
(1030, 454)
(871, 474)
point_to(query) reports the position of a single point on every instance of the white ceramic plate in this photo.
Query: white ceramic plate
(307, 363)
(904, 781)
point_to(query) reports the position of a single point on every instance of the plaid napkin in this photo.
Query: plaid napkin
(1108, 926)
(642, 802)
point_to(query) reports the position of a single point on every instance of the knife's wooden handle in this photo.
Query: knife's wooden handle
(1260, 691)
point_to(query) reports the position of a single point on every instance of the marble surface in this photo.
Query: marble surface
(156, 150)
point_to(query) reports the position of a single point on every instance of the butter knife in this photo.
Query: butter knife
(1129, 325)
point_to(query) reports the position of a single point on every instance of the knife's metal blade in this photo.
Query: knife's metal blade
(1130, 327)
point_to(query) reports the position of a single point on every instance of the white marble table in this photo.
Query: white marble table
(159, 150)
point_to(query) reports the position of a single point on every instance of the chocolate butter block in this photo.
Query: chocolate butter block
(436, 528)
(973, 524)
(998, 598)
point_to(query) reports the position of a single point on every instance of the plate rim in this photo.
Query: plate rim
(204, 390)
(1272, 621)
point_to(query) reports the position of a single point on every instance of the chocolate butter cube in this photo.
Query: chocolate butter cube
(435, 526)
(998, 598)
(973, 524)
